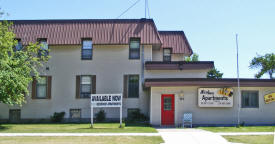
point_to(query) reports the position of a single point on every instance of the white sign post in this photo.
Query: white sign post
(106, 100)
(215, 97)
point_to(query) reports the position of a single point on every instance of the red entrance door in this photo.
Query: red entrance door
(167, 109)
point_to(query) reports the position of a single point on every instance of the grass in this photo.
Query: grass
(83, 140)
(75, 128)
(255, 139)
(240, 129)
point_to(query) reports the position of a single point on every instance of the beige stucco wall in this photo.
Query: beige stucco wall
(176, 73)
(109, 64)
(158, 56)
(263, 115)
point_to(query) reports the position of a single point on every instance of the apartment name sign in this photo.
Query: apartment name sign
(106, 100)
(215, 97)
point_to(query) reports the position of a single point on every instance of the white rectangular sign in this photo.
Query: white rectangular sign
(106, 100)
(215, 97)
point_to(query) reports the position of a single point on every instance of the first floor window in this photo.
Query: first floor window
(75, 113)
(87, 49)
(85, 86)
(134, 50)
(250, 99)
(41, 87)
(14, 115)
(167, 54)
(133, 86)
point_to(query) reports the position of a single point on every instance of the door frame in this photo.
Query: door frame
(161, 107)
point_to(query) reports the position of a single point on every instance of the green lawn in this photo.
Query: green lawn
(257, 139)
(240, 129)
(83, 140)
(74, 128)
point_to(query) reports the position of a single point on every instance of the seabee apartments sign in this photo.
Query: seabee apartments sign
(215, 97)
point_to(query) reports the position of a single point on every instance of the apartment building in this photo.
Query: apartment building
(132, 57)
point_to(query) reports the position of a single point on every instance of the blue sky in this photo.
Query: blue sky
(210, 25)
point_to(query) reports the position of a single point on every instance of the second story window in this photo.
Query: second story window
(87, 49)
(134, 50)
(19, 45)
(167, 54)
(44, 48)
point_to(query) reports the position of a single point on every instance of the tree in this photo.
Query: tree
(266, 64)
(214, 73)
(17, 67)
(194, 57)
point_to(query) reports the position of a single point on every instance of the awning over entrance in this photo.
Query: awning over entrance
(226, 82)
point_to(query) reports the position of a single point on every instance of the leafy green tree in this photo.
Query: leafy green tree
(214, 73)
(266, 64)
(194, 57)
(17, 67)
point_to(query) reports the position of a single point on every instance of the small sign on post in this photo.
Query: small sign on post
(106, 100)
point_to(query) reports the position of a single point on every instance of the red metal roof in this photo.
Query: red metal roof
(101, 31)
(175, 40)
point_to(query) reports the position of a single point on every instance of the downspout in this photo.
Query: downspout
(142, 65)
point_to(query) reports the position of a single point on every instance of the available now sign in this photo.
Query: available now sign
(106, 100)
(215, 97)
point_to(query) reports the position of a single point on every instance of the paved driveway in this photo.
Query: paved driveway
(190, 136)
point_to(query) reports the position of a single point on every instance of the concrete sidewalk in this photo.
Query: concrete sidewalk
(190, 136)
(77, 134)
(245, 133)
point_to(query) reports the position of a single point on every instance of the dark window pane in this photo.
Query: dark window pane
(134, 51)
(41, 87)
(133, 86)
(75, 113)
(19, 45)
(250, 99)
(167, 54)
(85, 88)
(87, 49)
(44, 48)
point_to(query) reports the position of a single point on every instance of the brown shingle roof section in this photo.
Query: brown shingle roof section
(175, 40)
(102, 31)
(206, 82)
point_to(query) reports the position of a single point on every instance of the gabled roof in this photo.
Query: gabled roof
(102, 31)
(175, 40)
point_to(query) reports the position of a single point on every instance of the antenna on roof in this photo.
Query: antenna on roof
(128, 9)
(146, 9)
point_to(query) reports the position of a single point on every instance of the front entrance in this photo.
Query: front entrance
(167, 109)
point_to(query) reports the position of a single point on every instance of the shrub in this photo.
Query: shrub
(137, 116)
(57, 116)
(100, 116)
